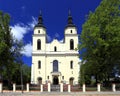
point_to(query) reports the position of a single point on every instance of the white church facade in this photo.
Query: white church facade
(55, 62)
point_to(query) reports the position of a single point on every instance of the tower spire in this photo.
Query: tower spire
(70, 20)
(40, 21)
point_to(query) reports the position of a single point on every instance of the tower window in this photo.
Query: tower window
(38, 31)
(71, 44)
(55, 48)
(38, 44)
(71, 64)
(39, 64)
(71, 31)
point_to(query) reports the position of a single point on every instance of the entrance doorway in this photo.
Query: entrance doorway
(55, 80)
(71, 81)
(39, 80)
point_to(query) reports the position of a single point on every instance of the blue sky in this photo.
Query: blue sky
(24, 15)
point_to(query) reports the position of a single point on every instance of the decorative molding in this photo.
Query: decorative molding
(39, 35)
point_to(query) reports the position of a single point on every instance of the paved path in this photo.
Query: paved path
(61, 94)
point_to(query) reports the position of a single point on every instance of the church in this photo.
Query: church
(56, 61)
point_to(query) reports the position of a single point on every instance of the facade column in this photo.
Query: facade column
(14, 87)
(113, 87)
(61, 87)
(41, 87)
(49, 87)
(1, 89)
(98, 87)
(69, 88)
(27, 87)
(84, 89)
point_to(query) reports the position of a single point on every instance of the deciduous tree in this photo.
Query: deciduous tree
(10, 52)
(100, 39)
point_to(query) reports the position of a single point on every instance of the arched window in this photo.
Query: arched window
(71, 64)
(55, 66)
(71, 44)
(39, 44)
(55, 48)
(39, 64)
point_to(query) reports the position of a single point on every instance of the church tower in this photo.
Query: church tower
(39, 46)
(39, 36)
(71, 36)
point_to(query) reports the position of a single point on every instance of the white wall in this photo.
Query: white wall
(47, 55)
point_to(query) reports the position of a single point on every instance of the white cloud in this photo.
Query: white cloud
(19, 30)
(27, 50)
(32, 24)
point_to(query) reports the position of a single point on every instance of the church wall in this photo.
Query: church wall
(55, 43)
(67, 71)
(39, 72)
(64, 67)
(50, 60)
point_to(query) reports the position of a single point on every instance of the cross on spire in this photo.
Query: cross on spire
(69, 13)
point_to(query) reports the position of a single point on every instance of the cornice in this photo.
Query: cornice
(38, 35)
(55, 54)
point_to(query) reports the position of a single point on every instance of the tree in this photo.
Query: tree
(100, 40)
(26, 73)
(5, 41)
(10, 52)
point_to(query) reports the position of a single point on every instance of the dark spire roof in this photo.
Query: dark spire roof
(70, 20)
(40, 21)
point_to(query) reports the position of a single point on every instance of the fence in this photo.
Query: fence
(60, 88)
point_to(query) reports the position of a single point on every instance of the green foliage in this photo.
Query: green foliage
(100, 40)
(26, 73)
(10, 53)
